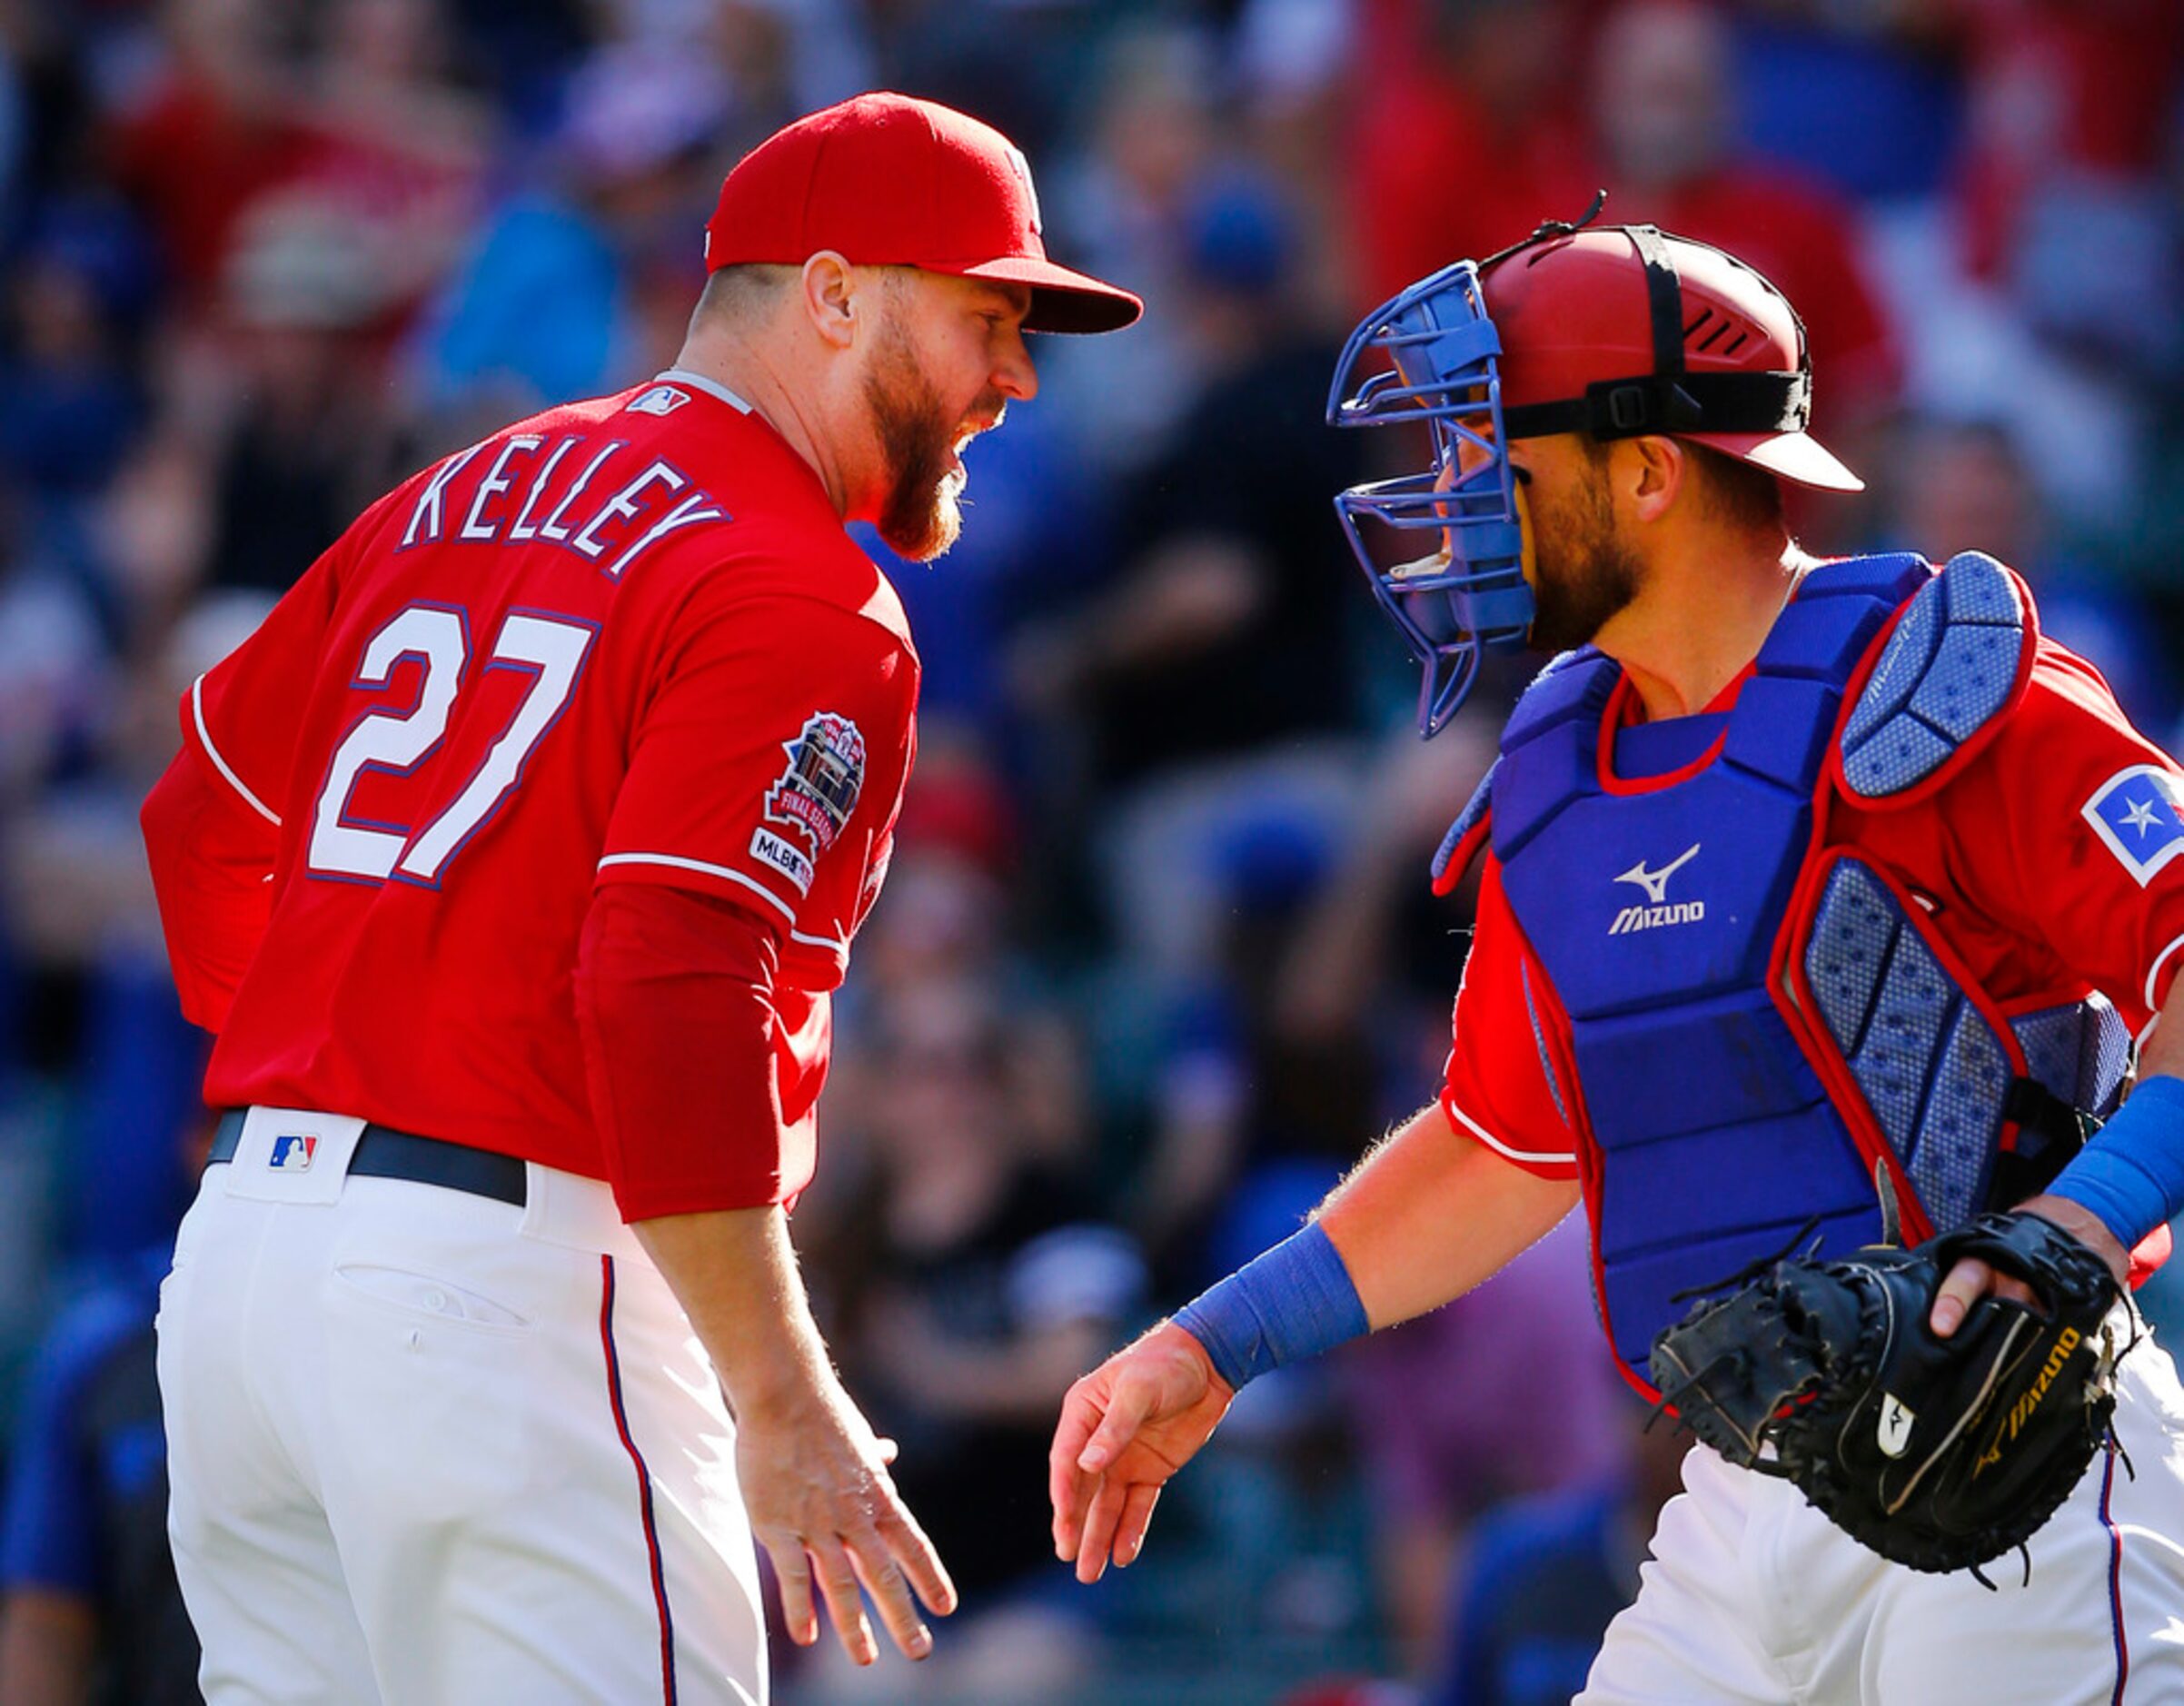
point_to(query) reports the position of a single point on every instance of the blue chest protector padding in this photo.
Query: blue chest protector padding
(1930, 1065)
(1656, 915)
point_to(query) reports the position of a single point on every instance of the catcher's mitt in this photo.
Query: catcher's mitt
(1938, 1454)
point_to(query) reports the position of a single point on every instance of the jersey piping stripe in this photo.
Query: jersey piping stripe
(826, 942)
(1495, 1143)
(675, 862)
(2154, 976)
(644, 1479)
(221, 764)
(2123, 1646)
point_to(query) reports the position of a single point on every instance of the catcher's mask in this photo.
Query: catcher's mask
(1616, 332)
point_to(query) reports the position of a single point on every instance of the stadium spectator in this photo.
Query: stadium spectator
(1434, 1438)
(549, 304)
(1664, 96)
(1545, 1573)
(215, 130)
(1204, 672)
(978, 1280)
(1465, 133)
(307, 439)
(89, 1611)
(90, 1614)
(1155, 131)
(252, 254)
(69, 405)
(1962, 484)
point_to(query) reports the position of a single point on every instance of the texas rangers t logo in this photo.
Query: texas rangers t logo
(293, 1152)
(2138, 815)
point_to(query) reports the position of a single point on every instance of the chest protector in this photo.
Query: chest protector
(1766, 1031)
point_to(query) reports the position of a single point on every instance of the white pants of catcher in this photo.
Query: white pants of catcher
(431, 1449)
(1753, 1596)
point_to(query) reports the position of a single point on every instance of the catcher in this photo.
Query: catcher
(1821, 907)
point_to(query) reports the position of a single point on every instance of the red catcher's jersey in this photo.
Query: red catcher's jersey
(2016, 860)
(625, 641)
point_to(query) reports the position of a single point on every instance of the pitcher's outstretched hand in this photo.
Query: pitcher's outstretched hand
(1126, 1427)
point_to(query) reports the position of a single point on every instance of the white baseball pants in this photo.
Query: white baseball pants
(1752, 1596)
(433, 1449)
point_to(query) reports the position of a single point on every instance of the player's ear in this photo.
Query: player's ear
(1655, 472)
(830, 290)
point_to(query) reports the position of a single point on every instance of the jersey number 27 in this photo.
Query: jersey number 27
(551, 648)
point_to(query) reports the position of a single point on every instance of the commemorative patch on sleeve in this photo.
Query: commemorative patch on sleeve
(826, 773)
(2139, 813)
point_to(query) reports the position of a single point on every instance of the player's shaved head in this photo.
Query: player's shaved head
(738, 295)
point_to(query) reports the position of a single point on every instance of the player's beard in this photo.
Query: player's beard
(1583, 573)
(920, 517)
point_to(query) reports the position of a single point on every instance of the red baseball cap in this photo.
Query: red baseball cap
(888, 180)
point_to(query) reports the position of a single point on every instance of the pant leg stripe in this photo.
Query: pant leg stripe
(2123, 1649)
(644, 1479)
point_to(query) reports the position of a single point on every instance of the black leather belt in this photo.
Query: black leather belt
(383, 1153)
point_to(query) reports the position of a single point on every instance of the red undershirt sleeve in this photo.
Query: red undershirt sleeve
(1503, 1085)
(212, 859)
(702, 1065)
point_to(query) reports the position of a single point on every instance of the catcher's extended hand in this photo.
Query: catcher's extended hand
(1938, 1454)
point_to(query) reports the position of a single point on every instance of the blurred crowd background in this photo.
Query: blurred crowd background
(1157, 958)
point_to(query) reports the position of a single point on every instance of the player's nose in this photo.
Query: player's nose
(1015, 375)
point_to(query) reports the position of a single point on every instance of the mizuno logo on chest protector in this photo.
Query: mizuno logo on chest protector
(1655, 884)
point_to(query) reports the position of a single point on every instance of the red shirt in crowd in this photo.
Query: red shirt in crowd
(623, 642)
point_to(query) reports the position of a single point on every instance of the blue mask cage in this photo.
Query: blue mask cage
(1445, 373)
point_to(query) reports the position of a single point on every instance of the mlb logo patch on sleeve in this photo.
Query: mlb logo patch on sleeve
(2140, 814)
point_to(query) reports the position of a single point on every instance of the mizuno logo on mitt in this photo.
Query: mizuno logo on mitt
(2021, 1413)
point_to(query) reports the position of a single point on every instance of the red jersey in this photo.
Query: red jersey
(2015, 859)
(624, 642)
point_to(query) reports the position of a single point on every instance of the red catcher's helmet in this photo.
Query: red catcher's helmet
(1623, 330)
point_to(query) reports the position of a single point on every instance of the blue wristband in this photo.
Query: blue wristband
(2131, 1174)
(1293, 1302)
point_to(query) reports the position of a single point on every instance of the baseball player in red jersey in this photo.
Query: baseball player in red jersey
(512, 861)
(1813, 893)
